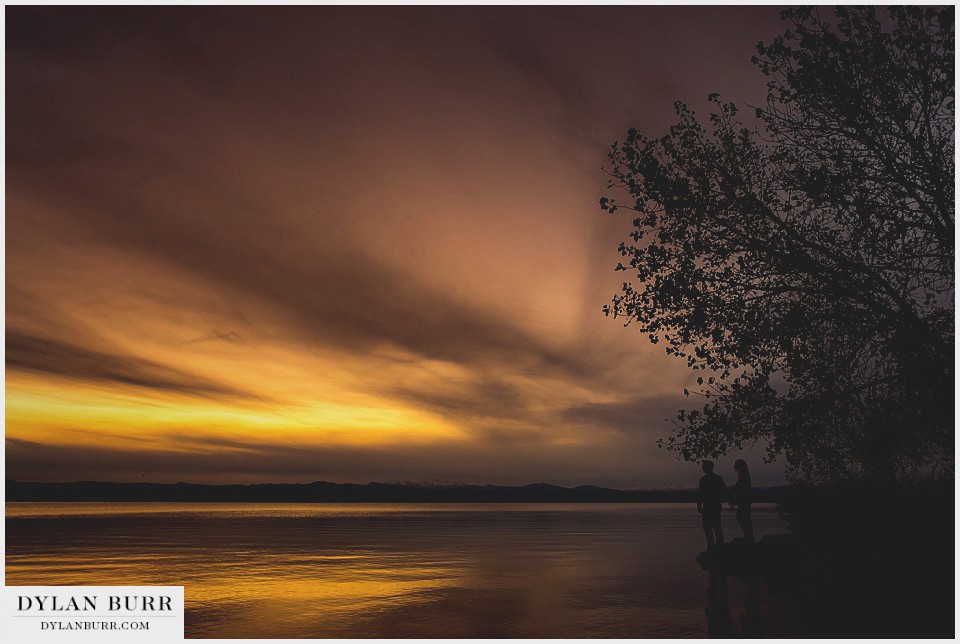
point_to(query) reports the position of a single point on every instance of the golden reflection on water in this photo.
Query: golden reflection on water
(383, 570)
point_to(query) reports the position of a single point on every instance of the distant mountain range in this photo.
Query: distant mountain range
(325, 492)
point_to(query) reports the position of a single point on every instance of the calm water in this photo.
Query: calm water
(404, 570)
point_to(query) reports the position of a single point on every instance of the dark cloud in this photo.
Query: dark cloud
(485, 397)
(628, 416)
(25, 352)
(216, 334)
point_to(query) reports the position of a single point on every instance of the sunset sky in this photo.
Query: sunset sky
(345, 244)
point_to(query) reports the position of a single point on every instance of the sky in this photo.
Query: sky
(268, 244)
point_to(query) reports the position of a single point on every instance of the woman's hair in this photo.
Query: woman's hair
(740, 466)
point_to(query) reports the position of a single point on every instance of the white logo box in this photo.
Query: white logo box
(91, 614)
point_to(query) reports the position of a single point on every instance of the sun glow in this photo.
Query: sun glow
(71, 414)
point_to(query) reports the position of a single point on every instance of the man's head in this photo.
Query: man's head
(707, 467)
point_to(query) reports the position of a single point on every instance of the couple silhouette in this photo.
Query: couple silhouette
(713, 492)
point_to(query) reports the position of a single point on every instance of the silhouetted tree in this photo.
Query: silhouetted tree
(804, 263)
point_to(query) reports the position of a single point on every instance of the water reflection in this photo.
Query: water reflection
(739, 559)
(751, 622)
(291, 571)
(719, 624)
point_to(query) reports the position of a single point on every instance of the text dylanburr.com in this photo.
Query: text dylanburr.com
(91, 613)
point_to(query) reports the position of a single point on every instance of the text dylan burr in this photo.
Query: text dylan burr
(84, 603)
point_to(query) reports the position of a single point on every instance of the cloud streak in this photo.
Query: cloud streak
(45, 356)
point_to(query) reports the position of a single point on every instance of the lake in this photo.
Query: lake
(400, 570)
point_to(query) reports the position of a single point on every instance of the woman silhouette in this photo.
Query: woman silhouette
(740, 496)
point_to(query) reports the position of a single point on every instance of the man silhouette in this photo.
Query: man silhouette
(710, 504)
